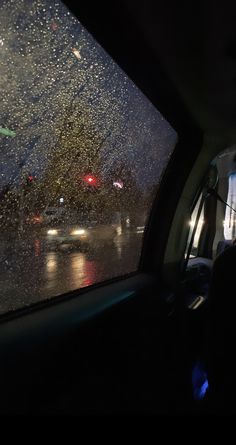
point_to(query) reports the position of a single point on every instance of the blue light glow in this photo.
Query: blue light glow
(199, 381)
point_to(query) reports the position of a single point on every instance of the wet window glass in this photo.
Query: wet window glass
(82, 155)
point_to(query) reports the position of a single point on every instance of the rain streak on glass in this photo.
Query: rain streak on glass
(82, 154)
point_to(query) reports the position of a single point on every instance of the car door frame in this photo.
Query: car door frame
(25, 333)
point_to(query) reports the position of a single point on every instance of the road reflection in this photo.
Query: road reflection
(78, 271)
(32, 272)
(51, 264)
(37, 247)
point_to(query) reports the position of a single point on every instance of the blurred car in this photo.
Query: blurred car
(51, 214)
(82, 233)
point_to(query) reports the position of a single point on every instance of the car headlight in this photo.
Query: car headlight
(78, 232)
(52, 232)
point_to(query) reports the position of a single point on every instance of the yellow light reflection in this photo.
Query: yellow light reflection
(77, 269)
(51, 262)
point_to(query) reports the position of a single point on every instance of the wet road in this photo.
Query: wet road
(32, 271)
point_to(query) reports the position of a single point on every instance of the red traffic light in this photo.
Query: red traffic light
(29, 179)
(90, 179)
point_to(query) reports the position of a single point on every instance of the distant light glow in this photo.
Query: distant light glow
(140, 229)
(118, 184)
(37, 219)
(90, 179)
(1, 42)
(78, 232)
(76, 53)
(52, 232)
(61, 200)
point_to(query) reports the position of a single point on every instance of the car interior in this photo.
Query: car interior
(142, 341)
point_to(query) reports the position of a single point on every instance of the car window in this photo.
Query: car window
(226, 205)
(229, 222)
(50, 212)
(192, 223)
(82, 154)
